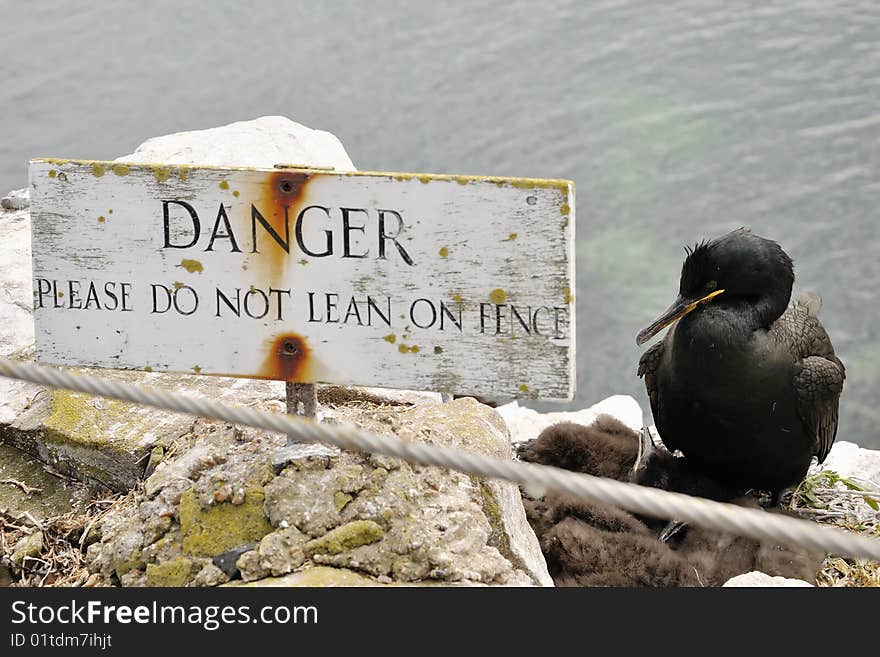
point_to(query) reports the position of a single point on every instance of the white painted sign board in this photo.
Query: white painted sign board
(451, 283)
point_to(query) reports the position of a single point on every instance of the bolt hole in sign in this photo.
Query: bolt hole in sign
(458, 284)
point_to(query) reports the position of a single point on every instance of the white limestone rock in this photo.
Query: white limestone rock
(525, 424)
(758, 579)
(262, 142)
(16, 291)
(18, 199)
(854, 462)
(16, 310)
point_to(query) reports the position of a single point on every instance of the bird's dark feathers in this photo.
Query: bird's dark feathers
(818, 381)
(719, 261)
(696, 248)
(819, 384)
(819, 375)
(697, 266)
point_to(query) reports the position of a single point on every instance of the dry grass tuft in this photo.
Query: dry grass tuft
(61, 562)
(826, 497)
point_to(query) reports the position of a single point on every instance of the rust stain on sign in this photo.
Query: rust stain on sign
(278, 205)
(286, 187)
(288, 359)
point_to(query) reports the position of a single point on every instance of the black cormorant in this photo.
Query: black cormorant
(745, 383)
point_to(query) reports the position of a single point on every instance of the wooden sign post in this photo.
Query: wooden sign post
(449, 283)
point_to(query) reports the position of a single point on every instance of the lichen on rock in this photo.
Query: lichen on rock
(212, 530)
(347, 537)
(169, 573)
(77, 431)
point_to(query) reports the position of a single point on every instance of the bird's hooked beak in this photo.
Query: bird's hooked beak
(676, 311)
(646, 452)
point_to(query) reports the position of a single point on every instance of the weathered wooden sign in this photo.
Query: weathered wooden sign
(452, 283)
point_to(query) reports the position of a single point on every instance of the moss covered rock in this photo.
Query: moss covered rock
(347, 537)
(170, 573)
(340, 499)
(209, 531)
(98, 439)
(105, 441)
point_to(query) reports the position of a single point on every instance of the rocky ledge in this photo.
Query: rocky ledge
(218, 510)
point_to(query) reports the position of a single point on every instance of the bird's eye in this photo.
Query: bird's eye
(711, 286)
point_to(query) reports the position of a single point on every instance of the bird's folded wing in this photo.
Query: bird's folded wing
(818, 385)
(819, 374)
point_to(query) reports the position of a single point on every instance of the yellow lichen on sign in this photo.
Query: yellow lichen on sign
(191, 266)
(161, 173)
(497, 296)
